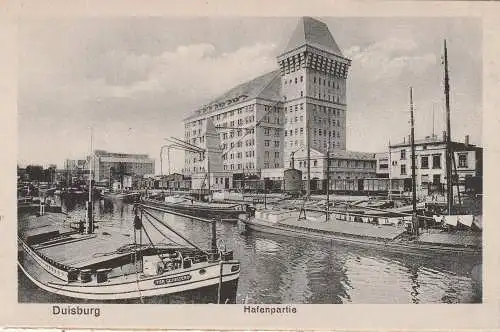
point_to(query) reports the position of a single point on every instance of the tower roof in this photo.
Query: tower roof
(310, 31)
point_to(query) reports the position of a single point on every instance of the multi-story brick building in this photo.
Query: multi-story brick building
(430, 161)
(313, 75)
(249, 120)
(104, 164)
(261, 123)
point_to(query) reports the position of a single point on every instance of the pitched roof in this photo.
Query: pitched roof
(267, 86)
(310, 31)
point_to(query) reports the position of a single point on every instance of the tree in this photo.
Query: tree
(35, 172)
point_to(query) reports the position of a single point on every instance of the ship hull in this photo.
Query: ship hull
(226, 213)
(47, 277)
(398, 245)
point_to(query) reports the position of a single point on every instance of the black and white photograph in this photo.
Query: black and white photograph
(250, 160)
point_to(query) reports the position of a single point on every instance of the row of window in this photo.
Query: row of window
(424, 160)
(316, 80)
(268, 165)
(267, 154)
(330, 83)
(316, 132)
(249, 165)
(268, 143)
(342, 163)
(318, 121)
(267, 131)
(238, 155)
(220, 116)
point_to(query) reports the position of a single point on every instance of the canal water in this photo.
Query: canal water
(278, 269)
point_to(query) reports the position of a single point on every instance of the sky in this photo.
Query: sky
(134, 79)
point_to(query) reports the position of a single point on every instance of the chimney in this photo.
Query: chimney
(444, 136)
(466, 140)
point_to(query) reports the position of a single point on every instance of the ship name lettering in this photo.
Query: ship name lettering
(171, 280)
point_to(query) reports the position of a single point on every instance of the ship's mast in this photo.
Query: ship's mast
(389, 192)
(90, 210)
(449, 186)
(413, 176)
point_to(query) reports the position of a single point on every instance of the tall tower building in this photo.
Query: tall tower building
(313, 75)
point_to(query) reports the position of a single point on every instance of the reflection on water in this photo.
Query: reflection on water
(278, 269)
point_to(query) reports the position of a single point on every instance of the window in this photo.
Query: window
(315, 162)
(266, 143)
(403, 154)
(436, 161)
(276, 144)
(403, 169)
(424, 162)
(462, 160)
(276, 155)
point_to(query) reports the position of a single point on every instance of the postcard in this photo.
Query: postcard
(214, 165)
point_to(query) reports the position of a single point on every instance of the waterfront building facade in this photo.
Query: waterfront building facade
(430, 161)
(261, 122)
(248, 121)
(106, 165)
(340, 164)
(382, 159)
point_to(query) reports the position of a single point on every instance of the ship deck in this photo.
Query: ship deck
(455, 238)
(71, 248)
(348, 228)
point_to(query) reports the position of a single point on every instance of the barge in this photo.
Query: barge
(387, 237)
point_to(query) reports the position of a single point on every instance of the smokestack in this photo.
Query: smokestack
(466, 139)
(444, 136)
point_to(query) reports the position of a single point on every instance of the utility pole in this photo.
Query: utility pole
(413, 176)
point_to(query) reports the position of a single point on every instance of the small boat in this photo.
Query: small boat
(74, 260)
(128, 197)
(189, 206)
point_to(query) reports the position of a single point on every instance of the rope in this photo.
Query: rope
(149, 238)
(159, 231)
(173, 231)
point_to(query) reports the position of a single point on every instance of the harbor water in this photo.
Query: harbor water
(278, 269)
